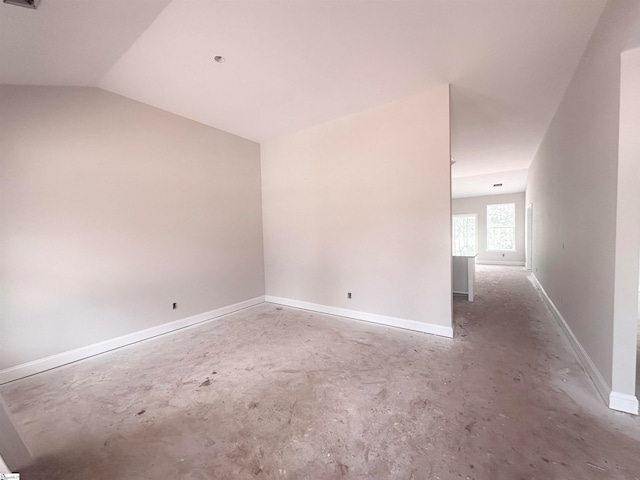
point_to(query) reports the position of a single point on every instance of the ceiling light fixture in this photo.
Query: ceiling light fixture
(23, 3)
(219, 59)
(497, 184)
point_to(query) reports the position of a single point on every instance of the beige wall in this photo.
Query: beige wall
(110, 211)
(478, 205)
(362, 204)
(573, 187)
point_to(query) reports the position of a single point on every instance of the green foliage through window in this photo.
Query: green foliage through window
(464, 234)
(501, 226)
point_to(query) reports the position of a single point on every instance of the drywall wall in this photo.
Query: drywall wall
(478, 205)
(572, 185)
(362, 205)
(111, 211)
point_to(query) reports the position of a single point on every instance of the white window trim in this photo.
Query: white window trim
(508, 250)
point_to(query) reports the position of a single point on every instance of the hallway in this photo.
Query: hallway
(274, 392)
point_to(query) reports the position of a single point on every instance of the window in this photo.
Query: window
(464, 234)
(501, 226)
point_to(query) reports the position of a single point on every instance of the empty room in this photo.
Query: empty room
(317, 239)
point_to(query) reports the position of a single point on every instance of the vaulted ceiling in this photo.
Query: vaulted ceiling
(291, 64)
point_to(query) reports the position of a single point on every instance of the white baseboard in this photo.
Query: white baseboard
(57, 360)
(600, 383)
(367, 317)
(500, 262)
(623, 402)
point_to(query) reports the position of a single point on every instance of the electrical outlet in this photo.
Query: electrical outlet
(348, 294)
(175, 305)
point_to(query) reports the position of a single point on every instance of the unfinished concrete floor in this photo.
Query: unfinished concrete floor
(274, 392)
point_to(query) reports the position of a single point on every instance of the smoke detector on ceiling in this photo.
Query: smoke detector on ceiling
(23, 3)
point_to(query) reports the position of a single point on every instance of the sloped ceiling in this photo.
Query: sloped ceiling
(69, 42)
(291, 64)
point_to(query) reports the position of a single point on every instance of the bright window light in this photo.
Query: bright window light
(501, 227)
(464, 234)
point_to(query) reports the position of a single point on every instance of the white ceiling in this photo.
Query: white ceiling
(513, 181)
(69, 42)
(292, 64)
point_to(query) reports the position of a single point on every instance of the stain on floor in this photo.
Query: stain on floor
(299, 395)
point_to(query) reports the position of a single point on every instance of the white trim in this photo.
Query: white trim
(528, 237)
(596, 377)
(471, 277)
(623, 402)
(59, 359)
(500, 262)
(414, 325)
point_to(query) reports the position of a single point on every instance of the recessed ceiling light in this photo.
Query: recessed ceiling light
(497, 184)
(219, 59)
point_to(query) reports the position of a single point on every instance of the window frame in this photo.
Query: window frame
(511, 250)
(475, 219)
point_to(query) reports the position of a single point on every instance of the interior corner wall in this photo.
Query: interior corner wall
(572, 185)
(478, 205)
(112, 210)
(362, 205)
